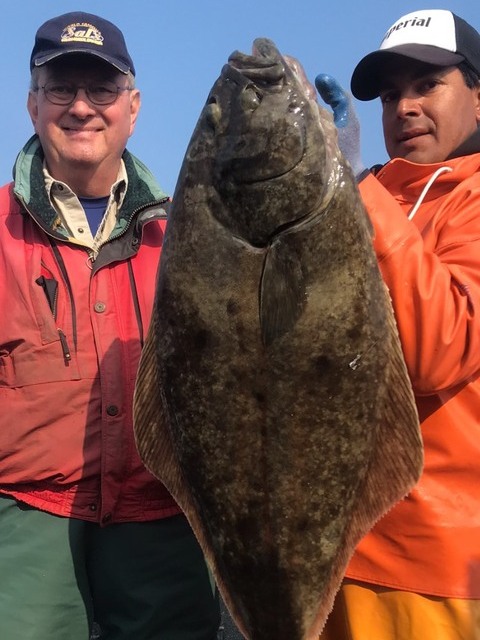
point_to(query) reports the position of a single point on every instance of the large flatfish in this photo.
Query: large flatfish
(272, 397)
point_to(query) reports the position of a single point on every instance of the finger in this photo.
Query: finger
(333, 94)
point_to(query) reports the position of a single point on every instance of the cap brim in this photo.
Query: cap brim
(123, 68)
(369, 73)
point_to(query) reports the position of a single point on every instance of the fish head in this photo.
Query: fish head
(265, 145)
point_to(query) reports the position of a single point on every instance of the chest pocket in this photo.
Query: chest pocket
(37, 331)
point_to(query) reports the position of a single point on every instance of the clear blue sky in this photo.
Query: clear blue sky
(179, 48)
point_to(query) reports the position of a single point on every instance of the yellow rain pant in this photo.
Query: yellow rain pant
(370, 612)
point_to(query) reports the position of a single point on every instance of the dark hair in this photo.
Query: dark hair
(471, 77)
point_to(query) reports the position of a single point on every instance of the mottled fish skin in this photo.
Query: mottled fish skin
(272, 397)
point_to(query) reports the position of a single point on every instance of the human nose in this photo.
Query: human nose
(81, 105)
(408, 104)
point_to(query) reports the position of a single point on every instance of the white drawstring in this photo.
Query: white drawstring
(440, 170)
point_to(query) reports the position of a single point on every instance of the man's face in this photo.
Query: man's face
(82, 136)
(427, 111)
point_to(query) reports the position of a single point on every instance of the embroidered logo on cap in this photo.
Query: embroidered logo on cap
(82, 32)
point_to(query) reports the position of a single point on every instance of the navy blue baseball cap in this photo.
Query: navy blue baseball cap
(79, 32)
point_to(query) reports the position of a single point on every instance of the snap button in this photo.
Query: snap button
(99, 307)
(112, 410)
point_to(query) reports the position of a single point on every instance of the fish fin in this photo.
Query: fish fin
(157, 451)
(151, 423)
(151, 436)
(282, 293)
(399, 446)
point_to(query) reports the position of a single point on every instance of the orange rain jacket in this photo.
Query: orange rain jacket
(430, 542)
(70, 341)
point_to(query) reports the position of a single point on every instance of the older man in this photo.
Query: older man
(86, 532)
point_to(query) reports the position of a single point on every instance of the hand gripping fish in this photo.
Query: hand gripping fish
(272, 396)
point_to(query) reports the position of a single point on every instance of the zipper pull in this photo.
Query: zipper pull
(65, 348)
(90, 260)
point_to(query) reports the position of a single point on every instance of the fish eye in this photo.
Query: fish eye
(213, 113)
(251, 98)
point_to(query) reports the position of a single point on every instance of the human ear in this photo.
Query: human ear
(135, 103)
(32, 106)
(477, 104)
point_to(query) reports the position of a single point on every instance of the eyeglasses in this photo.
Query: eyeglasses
(63, 94)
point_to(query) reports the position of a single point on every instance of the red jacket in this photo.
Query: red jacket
(70, 342)
(430, 542)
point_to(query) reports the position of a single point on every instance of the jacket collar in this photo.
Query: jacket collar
(29, 187)
(406, 180)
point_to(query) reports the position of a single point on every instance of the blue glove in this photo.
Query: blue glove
(345, 120)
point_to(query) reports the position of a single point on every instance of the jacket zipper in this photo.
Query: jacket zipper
(65, 348)
(63, 338)
(67, 354)
(50, 288)
(155, 203)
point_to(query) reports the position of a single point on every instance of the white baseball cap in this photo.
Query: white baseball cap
(435, 36)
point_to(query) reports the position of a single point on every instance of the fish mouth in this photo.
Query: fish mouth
(243, 170)
(248, 160)
(263, 66)
(271, 139)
